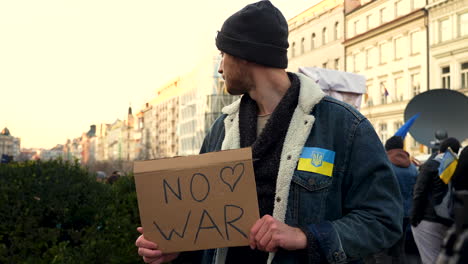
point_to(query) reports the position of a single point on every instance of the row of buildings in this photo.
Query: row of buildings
(173, 122)
(402, 47)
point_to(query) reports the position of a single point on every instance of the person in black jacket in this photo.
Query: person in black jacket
(406, 173)
(428, 228)
(460, 176)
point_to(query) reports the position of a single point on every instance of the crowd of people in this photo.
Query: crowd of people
(423, 190)
(328, 190)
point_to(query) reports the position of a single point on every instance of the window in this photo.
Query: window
(399, 89)
(444, 30)
(383, 15)
(368, 21)
(398, 8)
(324, 36)
(383, 92)
(368, 95)
(399, 48)
(464, 75)
(463, 24)
(324, 65)
(355, 28)
(446, 77)
(302, 45)
(417, 42)
(312, 41)
(384, 52)
(368, 59)
(337, 30)
(337, 64)
(416, 83)
(293, 50)
(383, 132)
(397, 125)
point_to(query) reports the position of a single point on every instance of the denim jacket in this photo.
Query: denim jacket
(352, 213)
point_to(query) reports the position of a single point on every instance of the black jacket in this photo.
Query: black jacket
(428, 191)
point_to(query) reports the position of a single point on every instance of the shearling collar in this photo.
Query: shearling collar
(310, 94)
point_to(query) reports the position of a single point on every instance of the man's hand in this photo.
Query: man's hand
(269, 234)
(149, 251)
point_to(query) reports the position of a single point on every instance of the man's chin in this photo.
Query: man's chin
(233, 91)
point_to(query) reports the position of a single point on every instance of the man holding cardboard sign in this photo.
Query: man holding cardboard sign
(198, 202)
(326, 191)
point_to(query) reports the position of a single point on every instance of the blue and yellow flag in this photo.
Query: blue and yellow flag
(317, 160)
(447, 166)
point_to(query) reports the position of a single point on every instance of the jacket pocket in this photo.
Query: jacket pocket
(309, 193)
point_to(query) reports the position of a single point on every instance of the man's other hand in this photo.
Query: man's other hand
(149, 251)
(269, 234)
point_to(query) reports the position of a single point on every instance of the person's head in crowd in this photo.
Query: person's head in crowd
(451, 142)
(395, 142)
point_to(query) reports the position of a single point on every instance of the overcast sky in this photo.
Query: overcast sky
(65, 65)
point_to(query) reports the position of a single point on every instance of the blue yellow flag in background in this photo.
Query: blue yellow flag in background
(447, 166)
(317, 160)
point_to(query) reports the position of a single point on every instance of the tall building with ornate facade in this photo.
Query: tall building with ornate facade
(157, 123)
(201, 103)
(386, 41)
(98, 143)
(9, 145)
(147, 128)
(316, 36)
(448, 39)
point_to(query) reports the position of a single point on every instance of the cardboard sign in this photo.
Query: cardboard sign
(197, 202)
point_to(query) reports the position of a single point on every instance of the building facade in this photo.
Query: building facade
(147, 128)
(114, 140)
(52, 154)
(155, 130)
(316, 36)
(448, 27)
(386, 41)
(9, 145)
(98, 144)
(201, 103)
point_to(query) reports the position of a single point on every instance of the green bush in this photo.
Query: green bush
(56, 212)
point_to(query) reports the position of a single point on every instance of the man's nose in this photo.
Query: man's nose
(220, 68)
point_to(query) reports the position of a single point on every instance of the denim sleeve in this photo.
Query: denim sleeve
(372, 206)
(214, 138)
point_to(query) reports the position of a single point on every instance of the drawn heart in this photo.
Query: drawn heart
(231, 175)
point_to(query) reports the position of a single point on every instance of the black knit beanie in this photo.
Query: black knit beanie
(257, 33)
(394, 142)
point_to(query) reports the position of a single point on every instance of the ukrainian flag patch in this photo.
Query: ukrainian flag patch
(317, 160)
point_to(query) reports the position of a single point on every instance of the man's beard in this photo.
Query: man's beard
(240, 84)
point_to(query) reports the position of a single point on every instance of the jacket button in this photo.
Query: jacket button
(311, 181)
(232, 120)
(289, 157)
(306, 122)
(278, 199)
